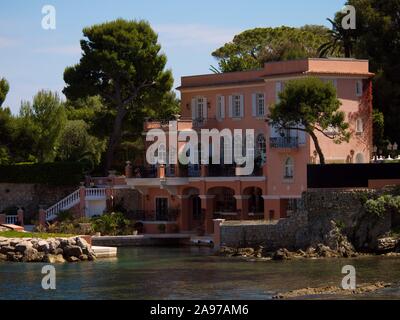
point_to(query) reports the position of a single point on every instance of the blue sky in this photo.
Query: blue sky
(32, 58)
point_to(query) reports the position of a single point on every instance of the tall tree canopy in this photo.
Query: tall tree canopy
(4, 87)
(376, 38)
(252, 48)
(46, 117)
(123, 64)
(311, 105)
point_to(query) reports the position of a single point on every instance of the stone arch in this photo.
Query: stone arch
(224, 199)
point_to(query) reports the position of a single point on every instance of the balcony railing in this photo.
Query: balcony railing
(145, 172)
(192, 171)
(284, 142)
(169, 215)
(221, 170)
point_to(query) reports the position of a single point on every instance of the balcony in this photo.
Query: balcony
(169, 215)
(216, 170)
(145, 172)
(204, 122)
(284, 142)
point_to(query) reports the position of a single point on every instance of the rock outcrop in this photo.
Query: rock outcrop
(53, 250)
(333, 290)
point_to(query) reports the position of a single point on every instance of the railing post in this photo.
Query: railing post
(82, 201)
(217, 233)
(109, 199)
(2, 218)
(42, 217)
(20, 217)
(128, 169)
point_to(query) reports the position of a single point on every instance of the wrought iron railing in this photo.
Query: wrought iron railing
(221, 170)
(152, 215)
(284, 142)
(145, 172)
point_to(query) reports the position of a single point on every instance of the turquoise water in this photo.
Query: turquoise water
(188, 273)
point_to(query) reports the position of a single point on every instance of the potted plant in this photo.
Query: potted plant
(162, 227)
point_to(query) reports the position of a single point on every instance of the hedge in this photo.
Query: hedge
(56, 173)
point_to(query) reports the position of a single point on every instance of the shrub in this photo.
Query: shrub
(383, 205)
(162, 227)
(112, 224)
(65, 216)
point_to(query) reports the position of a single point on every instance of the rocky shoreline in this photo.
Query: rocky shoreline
(52, 250)
(335, 245)
(332, 290)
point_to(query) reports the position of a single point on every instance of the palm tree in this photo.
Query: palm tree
(341, 41)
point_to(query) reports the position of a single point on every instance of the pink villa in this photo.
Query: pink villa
(188, 198)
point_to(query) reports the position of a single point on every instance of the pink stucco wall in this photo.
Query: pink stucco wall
(276, 190)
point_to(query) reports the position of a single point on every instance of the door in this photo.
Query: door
(196, 208)
(161, 209)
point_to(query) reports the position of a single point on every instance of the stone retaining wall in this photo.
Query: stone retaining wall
(311, 223)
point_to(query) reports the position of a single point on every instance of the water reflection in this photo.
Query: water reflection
(187, 273)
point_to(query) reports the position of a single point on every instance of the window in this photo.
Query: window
(359, 126)
(278, 90)
(162, 154)
(220, 107)
(289, 169)
(332, 81)
(260, 105)
(226, 152)
(261, 148)
(199, 108)
(359, 88)
(236, 106)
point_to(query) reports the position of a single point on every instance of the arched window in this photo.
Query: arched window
(289, 168)
(261, 148)
(359, 126)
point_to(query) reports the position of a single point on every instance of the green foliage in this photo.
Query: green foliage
(65, 216)
(378, 121)
(112, 224)
(161, 227)
(46, 118)
(341, 40)
(37, 235)
(123, 64)
(383, 205)
(252, 48)
(311, 105)
(58, 173)
(4, 88)
(76, 144)
(377, 39)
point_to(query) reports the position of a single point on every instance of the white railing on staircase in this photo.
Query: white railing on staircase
(11, 219)
(95, 192)
(67, 203)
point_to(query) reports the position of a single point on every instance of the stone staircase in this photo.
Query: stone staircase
(74, 199)
(64, 204)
